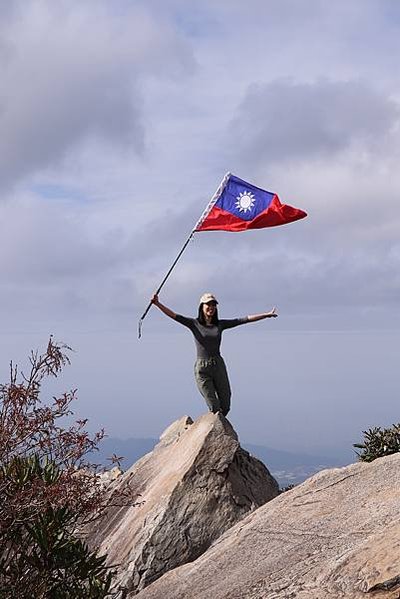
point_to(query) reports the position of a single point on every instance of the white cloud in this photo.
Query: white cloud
(286, 121)
(72, 72)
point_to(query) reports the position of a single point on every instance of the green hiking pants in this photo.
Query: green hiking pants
(213, 383)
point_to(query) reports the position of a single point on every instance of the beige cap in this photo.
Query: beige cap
(208, 297)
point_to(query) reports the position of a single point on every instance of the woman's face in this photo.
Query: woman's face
(209, 309)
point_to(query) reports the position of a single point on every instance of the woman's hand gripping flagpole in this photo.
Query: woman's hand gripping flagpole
(162, 284)
(215, 197)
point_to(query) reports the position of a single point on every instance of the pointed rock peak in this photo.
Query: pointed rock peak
(175, 430)
(195, 484)
(202, 426)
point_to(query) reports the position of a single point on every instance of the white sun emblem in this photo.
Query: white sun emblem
(245, 201)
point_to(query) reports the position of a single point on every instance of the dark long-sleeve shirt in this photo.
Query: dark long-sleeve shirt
(208, 338)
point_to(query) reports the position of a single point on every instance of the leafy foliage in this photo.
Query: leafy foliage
(48, 491)
(379, 442)
(41, 556)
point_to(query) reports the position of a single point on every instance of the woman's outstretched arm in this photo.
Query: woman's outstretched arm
(271, 314)
(165, 309)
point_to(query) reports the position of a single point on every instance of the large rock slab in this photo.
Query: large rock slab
(336, 536)
(194, 485)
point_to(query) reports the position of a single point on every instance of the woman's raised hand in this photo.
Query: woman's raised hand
(164, 309)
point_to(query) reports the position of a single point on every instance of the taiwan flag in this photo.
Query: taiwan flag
(239, 206)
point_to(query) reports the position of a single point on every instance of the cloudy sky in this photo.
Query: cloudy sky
(117, 122)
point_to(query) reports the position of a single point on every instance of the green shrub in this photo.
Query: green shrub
(49, 490)
(41, 555)
(379, 442)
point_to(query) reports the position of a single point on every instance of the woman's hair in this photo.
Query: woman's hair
(202, 320)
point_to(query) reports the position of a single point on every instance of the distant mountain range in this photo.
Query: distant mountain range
(287, 467)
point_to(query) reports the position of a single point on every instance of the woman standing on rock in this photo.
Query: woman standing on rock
(210, 370)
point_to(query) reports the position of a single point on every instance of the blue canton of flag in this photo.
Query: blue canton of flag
(244, 199)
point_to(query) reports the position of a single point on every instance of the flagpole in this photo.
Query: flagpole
(209, 206)
(162, 283)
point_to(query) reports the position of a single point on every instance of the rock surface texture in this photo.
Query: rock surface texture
(336, 536)
(194, 485)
